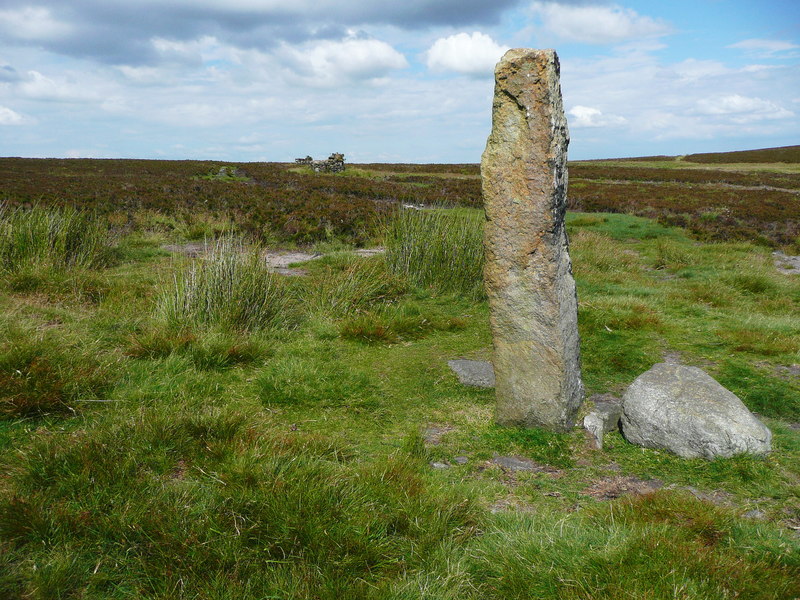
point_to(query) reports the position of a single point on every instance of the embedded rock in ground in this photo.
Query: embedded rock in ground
(604, 418)
(477, 373)
(528, 271)
(685, 411)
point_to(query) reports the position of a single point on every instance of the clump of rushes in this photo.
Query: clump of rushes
(232, 288)
(49, 238)
(438, 249)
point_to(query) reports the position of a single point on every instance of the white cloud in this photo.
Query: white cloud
(9, 117)
(470, 54)
(596, 24)
(696, 70)
(667, 105)
(586, 116)
(742, 109)
(766, 48)
(329, 63)
(32, 24)
(40, 87)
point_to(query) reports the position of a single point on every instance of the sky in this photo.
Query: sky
(391, 81)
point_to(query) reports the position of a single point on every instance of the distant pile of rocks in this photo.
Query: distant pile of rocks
(334, 163)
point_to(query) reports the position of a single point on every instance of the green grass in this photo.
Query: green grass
(201, 428)
(57, 240)
(232, 288)
(439, 249)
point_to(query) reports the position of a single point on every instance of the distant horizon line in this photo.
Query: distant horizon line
(291, 161)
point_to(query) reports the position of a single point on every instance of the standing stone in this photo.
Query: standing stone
(534, 308)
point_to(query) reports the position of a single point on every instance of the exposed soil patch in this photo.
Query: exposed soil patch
(717, 497)
(190, 249)
(432, 435)
(610, 488)
(277, 260)
(788, 371)
(506, 505)
(280, 261)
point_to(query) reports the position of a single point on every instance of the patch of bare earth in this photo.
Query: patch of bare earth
(786, 264)
(277, 260)
(432, 436)
(609, 488)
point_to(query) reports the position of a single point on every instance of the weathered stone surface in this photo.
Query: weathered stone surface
(528, 270)
(520, 463)
(477, 373)
(604, 418)
(685, 411)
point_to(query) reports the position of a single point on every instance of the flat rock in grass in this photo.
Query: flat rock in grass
(475, 373)
(685, 411)
(604, 418)
(520, 463)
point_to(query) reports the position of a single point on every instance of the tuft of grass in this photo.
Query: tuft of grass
(753, 283)
(671, 254)
(597, 253)
(231, 288)
(406, 322)
(315, 380)
(656, 546)
(208, 351)
(763, 393)
(49, 239)
(345, 285)
(41, 375)
(439, 249)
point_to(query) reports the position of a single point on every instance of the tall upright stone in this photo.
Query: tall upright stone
(534, 308)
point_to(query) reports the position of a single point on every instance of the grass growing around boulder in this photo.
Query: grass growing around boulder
(205, 429)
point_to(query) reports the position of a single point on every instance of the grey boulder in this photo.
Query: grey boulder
(604, 418)
(685, 411)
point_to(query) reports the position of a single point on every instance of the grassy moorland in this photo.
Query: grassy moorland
(177, 427)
